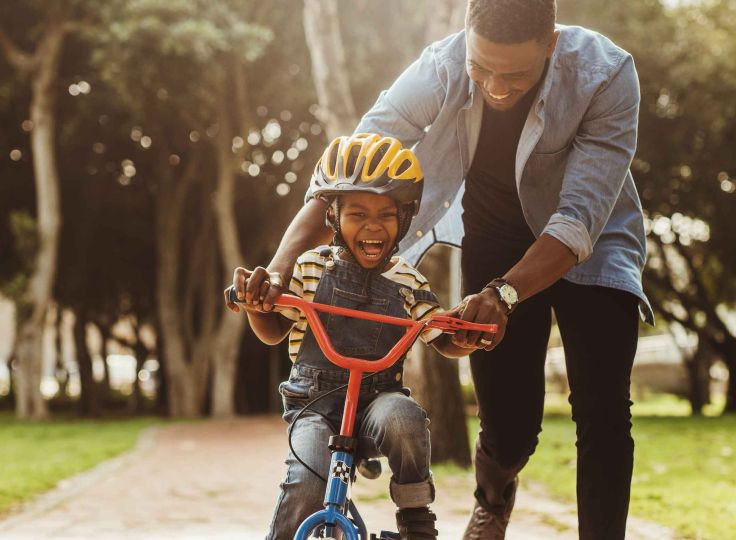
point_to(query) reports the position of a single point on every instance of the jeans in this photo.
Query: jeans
(391, 424)
(599, 330)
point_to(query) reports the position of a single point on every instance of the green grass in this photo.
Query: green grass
(34, 457)
(684, 472)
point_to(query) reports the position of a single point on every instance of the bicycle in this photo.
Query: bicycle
(341, 474)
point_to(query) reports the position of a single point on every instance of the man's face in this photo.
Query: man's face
(369, 225)
(505, 72)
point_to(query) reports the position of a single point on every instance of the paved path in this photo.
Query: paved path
(219, 480)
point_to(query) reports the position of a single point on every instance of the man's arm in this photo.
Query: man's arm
(545, 262)
(596, 170)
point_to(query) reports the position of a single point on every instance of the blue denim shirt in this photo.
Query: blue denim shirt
(572, 162)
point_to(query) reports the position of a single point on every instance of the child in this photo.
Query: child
(372, 187)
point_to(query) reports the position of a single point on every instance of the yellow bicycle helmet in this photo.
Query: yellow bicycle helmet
(370, 163)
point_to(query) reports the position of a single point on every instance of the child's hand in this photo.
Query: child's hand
(252, 287)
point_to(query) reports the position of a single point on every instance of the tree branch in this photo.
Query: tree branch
(16, 57)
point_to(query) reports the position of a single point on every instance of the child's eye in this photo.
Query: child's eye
(389, 215)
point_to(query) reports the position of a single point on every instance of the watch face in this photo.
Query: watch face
(508, 293)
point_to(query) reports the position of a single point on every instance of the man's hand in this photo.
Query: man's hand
(485, 308)
(258, 288)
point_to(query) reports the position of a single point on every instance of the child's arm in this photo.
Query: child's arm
(271, 328)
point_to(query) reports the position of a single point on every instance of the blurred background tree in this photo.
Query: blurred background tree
(685, 164)
(183, 136)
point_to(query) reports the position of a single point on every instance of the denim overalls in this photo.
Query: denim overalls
(388, 421)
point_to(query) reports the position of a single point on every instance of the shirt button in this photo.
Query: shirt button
(447, 204)
(419, 233)
(398, 377)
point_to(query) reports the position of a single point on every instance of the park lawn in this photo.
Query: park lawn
(34, 457)
(684, 472)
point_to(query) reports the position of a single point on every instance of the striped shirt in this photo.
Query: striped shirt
(308, 271)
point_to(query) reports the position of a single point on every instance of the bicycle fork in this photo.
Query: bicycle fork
(338, 482)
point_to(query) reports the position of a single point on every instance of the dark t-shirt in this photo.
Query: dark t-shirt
(493, 219)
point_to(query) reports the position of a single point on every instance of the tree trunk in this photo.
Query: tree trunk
(62, 374)
(730, 407)
(725, 345)
(329, 69)
(135, 405)
(182, 396)
(232, 325)
(435, 380)
(162, 383)
(104, 338)
(698, 370)
(88, 402)
(29, 401)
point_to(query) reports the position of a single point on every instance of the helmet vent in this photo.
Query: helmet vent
(352, 161)
(377, 158)
(403, 167)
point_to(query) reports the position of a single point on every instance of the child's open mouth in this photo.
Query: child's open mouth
(372, 249)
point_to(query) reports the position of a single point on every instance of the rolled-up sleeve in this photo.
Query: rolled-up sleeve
(598, 163)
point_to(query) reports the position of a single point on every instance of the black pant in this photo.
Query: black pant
(599, 329)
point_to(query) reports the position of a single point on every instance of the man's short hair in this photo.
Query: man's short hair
(512, 21)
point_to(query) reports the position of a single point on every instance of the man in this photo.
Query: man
(529, 129)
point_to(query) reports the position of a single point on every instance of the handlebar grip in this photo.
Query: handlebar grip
(233, 295)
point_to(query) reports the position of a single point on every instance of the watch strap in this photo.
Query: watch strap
(496, 285)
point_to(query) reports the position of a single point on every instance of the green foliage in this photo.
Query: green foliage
(35, 457)
(23, 228)
(685, 165)
(156, 52)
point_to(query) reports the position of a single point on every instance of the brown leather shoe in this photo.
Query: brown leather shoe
(485, 526)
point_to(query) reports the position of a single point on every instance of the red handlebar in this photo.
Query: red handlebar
(357, 366)
(441, 322)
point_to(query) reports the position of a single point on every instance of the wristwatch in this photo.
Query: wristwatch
(506, 292)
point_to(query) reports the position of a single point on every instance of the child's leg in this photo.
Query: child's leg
(302, 493)
(396, 426)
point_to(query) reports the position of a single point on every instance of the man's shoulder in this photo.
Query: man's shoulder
(584, 49)
(450, 49)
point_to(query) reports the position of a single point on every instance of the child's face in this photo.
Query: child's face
(369, 224)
